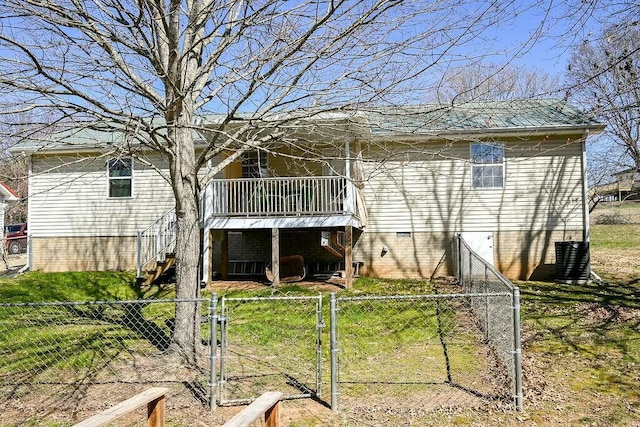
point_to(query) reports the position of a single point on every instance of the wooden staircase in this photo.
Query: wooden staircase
(333, 242)
(156, 249)
(161, 269)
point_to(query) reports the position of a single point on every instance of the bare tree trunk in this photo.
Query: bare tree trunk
(186, 334)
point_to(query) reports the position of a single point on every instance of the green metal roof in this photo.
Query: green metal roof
(70, 139)
(431, 120)
(83, 137)
(477, 116)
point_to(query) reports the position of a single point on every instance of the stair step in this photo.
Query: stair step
(161, 268)
(333, 242)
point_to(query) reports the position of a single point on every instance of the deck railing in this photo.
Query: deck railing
(291, 196)
(155, 241)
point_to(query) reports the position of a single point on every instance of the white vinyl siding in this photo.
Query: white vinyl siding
(429, 193)
(67, 198)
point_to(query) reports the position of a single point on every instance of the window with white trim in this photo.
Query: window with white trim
(120, 172)
(254, 164)
(487, 165)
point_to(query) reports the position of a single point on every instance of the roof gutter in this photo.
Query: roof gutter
(586, 233)
(62, 148)
(471, 133)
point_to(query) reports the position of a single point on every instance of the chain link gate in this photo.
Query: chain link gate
(269, 343)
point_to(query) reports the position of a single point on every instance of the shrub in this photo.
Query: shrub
(611, 219)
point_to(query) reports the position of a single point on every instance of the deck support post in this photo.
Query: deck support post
(275, 255)
(224, 265)
(348, 256)
(209, 252)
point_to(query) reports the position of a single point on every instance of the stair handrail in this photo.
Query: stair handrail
(155, 241)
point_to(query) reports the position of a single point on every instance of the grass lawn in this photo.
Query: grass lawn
(581, 343)
(81, 286)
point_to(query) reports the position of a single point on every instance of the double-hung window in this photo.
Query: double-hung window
(254, 164)
(487, 165)
(120, 172)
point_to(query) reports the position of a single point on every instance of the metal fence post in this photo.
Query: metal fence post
(319, 328)
(139, 257)
(333, 339)
(213, 345)
(486, 302)
(223, 347)
(29, 263)
(458, 257)
(517, 350)
(471, 287)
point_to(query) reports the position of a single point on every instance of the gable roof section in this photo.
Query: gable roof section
(84, 137)
(480, 117)
(7, 193)
(430, 120)
(73, 139)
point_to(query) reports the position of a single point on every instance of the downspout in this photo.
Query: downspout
(350, 202)
(585, 191)
(29, 264)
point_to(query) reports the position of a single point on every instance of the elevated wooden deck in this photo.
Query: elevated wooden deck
(283, 202)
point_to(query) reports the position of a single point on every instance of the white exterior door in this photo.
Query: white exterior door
(335, 164)
(481, 242)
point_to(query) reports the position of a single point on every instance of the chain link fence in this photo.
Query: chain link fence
(403, 355)
(270, 343)
(496, 311)
(78, 357)
(412, 354)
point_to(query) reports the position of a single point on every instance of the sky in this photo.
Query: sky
(549, 36)
(555, 26)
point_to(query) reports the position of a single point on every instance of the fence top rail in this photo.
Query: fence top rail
(288, 298)
(424, 296)
(503, 280)
(113, 302)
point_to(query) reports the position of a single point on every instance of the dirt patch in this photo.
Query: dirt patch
(186, 405)
(335, 285)
(619, 264)
(597, 313)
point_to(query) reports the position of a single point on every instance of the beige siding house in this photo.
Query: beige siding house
(379, 192)
(417, 206)
(86, 206)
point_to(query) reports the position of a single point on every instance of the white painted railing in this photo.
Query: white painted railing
(289, 196)
(155, 241)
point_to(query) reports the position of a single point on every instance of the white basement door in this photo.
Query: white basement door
(481, 242)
